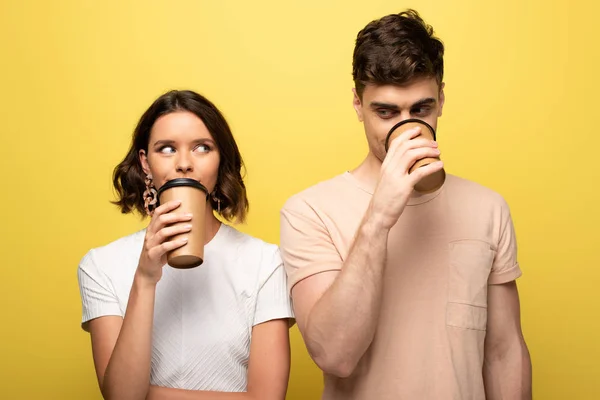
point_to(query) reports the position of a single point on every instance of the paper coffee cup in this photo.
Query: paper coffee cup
(429, 183)
(193, 196)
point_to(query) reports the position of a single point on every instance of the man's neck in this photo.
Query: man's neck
(367, 173)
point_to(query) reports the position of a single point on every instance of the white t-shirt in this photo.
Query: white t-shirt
(203, 316)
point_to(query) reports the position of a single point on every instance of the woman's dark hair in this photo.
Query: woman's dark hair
(129, 177)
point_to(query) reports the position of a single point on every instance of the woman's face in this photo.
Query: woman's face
(180, 146)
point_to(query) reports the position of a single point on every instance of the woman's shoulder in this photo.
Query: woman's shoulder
(249, 256)
(245, 244)
(123, 251)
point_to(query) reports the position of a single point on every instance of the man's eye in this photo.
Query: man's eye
(385, 113)
(421, 111)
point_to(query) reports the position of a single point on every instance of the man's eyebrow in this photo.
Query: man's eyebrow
(424, 102)
(390, 106)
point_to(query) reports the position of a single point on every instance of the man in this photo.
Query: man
(401, 294)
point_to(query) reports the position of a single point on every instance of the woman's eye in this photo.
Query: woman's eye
(203, 148)
(167, 149)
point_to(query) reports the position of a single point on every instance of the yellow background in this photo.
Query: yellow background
(521, 87)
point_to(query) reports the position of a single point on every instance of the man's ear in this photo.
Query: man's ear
(442, 99)
(357, 104)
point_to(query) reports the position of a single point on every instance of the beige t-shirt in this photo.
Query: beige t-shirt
(445, 250)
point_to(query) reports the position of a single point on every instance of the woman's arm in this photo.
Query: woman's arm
(268, 369)
(122, 347)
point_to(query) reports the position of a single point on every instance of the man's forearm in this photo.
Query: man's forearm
(508, 375)
(342, 323)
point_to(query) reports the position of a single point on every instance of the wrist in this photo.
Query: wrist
(375, 223)
(143, 282)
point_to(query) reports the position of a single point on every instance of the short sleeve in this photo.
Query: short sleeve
(98, 296)
(306, 246)
(272, 300)
(505, 267)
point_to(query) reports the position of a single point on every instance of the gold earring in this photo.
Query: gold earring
(150, 195)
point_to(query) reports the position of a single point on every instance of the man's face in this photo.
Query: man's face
(384, 106)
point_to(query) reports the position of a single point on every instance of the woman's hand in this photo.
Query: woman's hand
(157, 243)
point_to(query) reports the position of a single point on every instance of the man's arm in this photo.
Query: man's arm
(337, 310)
(507, 365)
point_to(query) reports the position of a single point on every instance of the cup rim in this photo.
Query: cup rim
(399, 124)
(178, 182)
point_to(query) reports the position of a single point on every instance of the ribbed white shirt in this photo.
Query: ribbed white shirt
(203, 317)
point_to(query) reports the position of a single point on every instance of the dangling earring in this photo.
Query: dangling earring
(150, 195)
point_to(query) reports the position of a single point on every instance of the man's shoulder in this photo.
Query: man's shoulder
(316, 195)
(471, 192)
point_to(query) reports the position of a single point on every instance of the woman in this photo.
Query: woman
(217, 331)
